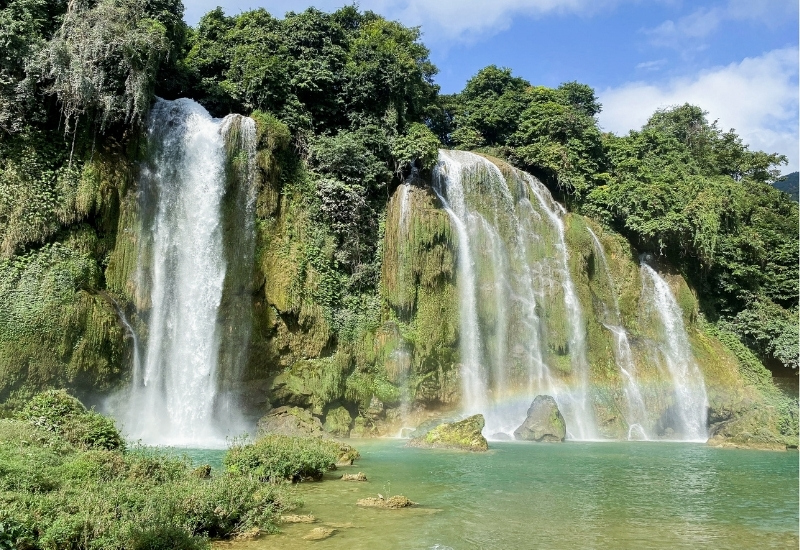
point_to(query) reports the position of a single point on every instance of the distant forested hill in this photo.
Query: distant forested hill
(788, 184)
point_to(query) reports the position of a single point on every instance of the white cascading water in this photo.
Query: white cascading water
(501, 283)
(690, 404)
(182, 272)
(636, 411)
(473, 382)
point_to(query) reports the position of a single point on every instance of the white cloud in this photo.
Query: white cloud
(654, 65)
(464, 20)
(758, 97)
(688, 32)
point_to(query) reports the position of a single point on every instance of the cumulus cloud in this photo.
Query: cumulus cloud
(464, 20)
(758, 97)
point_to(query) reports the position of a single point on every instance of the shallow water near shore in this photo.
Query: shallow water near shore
(570, 495)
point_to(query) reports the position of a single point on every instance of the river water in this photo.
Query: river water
(570, 495)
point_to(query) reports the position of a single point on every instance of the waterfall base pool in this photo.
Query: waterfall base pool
(570, 495)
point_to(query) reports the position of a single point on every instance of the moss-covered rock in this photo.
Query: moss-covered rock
(290, 421)
(337, 422)
(543, 422)
(465, 435)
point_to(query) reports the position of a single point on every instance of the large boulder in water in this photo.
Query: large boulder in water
(465, 435)
(544, 422)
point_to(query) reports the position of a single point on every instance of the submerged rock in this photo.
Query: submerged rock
(308, 518)
(543, 423)
(319, 533)
(465, 435)
(354, 477)
(395, 502)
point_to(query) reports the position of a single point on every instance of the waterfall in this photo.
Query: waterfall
(636, 412)
(690, 404)
(185, 271)
(512, 263)
(473, 382)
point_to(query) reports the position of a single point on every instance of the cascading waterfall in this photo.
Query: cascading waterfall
(511, 262)
(185, 270)
(474, 384)
(636, 411)
(690, 404)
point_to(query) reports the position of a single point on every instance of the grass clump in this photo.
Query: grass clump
(68, 481)
(278, 458)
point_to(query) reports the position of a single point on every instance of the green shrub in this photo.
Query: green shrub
(59, 412)
(57, 495)
(277, 458)
(166, 537)
(12, 532)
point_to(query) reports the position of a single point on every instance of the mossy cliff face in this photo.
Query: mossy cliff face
(393, 350)
(58, 321)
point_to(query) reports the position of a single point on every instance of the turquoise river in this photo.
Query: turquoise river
(570, 495)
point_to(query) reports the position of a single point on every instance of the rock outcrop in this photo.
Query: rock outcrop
(395, 502)
(745, 429)
(337, 422)
(292, 421)
(543, 423)
(465, 435)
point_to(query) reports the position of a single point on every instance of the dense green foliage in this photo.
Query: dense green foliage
(66, 481)
(277, 458)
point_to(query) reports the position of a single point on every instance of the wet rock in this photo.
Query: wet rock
(337, 422)
(543, 423)
(465, 435)
(501, 436)
(290, 421)
(299, 519)
(395, 502)
(428, 425)
(347, 455)
(320, 533)
(354, 477)
(747, 429)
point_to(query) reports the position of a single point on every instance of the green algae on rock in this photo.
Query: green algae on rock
(543, 423)
(465, 435)
(393, 503)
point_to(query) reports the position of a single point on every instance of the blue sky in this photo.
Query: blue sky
(738, 59)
